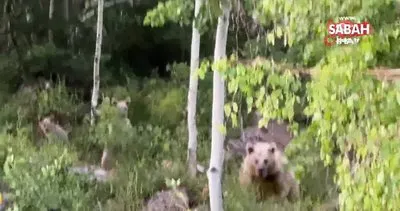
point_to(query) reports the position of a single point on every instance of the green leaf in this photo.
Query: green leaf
(235, 107)
(398, 97)
(234, 120)
(222, 129)
(227, 109)
(279, 32)
(270, 38)
(381, 177)
(334, 127)
(249, 101)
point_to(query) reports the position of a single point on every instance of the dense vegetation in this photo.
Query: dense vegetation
(145, 54)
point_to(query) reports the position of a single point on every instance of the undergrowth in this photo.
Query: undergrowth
(38, 176)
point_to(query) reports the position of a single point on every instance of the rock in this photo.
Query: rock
(169, 200)
(200, 168)
(95, 173)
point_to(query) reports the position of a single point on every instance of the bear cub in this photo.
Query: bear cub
(263, 166)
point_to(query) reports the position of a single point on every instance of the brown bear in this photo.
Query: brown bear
(263, 166)
(48, 126)
(123, 106)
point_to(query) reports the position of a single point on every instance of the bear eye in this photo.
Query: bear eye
(265, 161)
(256, 161)
(272, 150)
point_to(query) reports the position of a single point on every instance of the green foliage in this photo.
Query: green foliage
(179, 72)
(358, 115)
(165, 106)
(17, 108)
(111, 128)
(113, 131)
(56, 99)
(55, 187)
(155, 101)
(172, 183)
(9, 73)
(313, 16)
(347, 107)
(177, 11)
(39, 178)
(344, 113)
(168, 109)
(117, 92)
(49, 60)
(273, 93)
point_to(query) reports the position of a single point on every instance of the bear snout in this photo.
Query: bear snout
(262, 172)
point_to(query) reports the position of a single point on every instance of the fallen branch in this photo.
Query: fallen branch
(381, 73)
(386, 74)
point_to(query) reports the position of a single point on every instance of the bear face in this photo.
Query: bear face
(264, 158)
(47, 126)
(264, 167)
(123, 106)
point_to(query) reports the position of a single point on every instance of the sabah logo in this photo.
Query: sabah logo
(347, 31)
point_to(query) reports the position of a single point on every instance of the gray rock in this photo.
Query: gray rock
(94, 173)
(169, 200)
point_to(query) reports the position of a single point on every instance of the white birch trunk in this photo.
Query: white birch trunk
(51, 11)
(96, 62)
(192, 95)
(214, 173)
(96, 71)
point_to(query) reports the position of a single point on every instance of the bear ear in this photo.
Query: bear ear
(114, 101)
(128, 100)
(51, 117)
(264, 129)
(249, 148)
(272, 150)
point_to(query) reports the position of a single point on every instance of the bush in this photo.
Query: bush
(39, 178)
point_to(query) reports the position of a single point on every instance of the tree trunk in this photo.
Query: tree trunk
(66, 10)
(217, 146)
(51, 11)
(96, 71)
(192, 95)
(96, 62)
(105, 159)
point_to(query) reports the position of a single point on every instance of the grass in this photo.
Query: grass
(139, 170)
